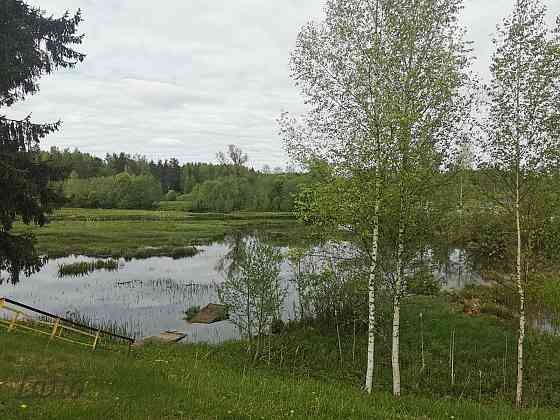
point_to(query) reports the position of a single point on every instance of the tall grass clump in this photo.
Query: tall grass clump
(84, 268)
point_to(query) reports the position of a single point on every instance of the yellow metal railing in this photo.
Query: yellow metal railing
(53, 325)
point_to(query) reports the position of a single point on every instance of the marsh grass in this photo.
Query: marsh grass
(83, 268)
(144, 233)
(124, 329)
(162, 251)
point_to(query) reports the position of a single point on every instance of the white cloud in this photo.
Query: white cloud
(185, 78)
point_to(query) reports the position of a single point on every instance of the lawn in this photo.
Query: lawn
(299, 374)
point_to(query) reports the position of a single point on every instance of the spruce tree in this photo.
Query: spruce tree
(31, 45)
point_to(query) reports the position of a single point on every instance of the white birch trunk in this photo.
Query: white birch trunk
(395, 356)
(521, 291)
(371, 300)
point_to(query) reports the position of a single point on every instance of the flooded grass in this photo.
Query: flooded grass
(163, 251)
(124, 329)
(142, 233)
(84, 268)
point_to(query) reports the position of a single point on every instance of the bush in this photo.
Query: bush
(277, 326)
(122, 191)
(253, 292)
(189, 251)
(171, 195)
(497, 310)
(424, 283)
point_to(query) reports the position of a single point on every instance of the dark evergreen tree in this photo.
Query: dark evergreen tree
(31, 45)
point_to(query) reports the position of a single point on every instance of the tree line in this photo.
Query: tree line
(134, 182)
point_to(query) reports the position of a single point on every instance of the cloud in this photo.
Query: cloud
(184, 79)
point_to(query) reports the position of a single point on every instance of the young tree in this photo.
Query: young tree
(253, 292)
(522, 136)
(382, 78)
(428, 77)
(31, 45)
(338, 65)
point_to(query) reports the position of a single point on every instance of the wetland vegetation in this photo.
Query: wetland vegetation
(83, 268)
(415, 250)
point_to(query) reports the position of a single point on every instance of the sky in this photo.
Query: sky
(185, 78)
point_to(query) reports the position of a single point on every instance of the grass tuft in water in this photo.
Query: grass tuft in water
(83, 268)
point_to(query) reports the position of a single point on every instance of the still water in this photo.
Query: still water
(149, 296)
(146, 296)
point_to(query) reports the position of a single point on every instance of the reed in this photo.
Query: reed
(84, 268)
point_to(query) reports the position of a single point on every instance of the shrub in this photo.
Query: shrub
(424, 283)
(191, 312)
(171, 195)
(252, 291)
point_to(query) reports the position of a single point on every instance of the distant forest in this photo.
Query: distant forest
(134, 182)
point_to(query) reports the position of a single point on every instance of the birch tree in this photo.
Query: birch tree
(338, 66)
(380, 78)
(428, 78)
(522, 136)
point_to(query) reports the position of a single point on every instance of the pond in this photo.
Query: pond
(148, 296)
(143, 297)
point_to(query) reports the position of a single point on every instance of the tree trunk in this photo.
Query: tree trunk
(371, 300)
(395, 355)
(521, 291)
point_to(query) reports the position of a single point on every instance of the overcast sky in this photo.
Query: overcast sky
(185, 78)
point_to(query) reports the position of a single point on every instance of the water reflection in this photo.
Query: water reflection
(149, 296)
(145, 296)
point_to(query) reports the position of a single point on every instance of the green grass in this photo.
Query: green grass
(297, 375)
(175, 205)
(59, 381)
(97, 215)
(128, 233)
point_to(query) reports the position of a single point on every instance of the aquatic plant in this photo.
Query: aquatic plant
(162, 251)
(83, 268)
(189, 251)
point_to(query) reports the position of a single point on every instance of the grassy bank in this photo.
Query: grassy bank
(57, 381)
(300, 373)
(122, 233)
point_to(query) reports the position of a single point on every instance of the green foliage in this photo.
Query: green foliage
(252, 291)
(122, 191)
(184, 205)
(171, 195)
(330, 293)
(33, 45)
(142, 234)
(423, 282)
(303, 380)
(257, 192)
(201, 186)
(189, 251)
